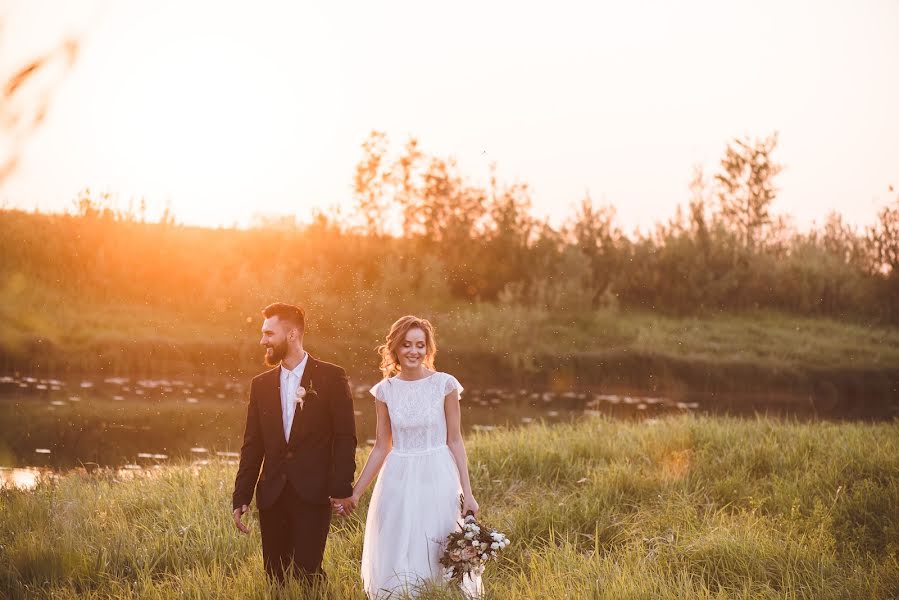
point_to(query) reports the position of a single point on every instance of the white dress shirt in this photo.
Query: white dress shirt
(290, 381)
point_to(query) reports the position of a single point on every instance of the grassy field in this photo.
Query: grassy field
(686, 507)
(45, 330)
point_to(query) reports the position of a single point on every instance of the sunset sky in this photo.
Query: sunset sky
(229, 109)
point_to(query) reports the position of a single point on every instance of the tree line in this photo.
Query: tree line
(722, 250)
(421, 229)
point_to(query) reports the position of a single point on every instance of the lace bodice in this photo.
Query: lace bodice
(417, 419)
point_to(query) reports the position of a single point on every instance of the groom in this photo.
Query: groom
(301, 430)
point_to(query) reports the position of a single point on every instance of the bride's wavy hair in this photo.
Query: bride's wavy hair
(390, 363)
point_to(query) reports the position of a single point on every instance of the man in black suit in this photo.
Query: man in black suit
(301, 431)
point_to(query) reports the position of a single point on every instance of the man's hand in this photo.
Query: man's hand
(344, 507)
(238, 512)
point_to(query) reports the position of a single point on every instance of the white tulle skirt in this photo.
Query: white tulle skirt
(414, 506)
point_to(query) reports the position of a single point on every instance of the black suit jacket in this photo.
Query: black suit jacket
(318, 460)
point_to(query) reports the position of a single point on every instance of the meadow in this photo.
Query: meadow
(678, 507)
(727, 303)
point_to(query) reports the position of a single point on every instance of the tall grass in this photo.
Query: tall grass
(686, 507)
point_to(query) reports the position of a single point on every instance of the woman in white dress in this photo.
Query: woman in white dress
(423, 468)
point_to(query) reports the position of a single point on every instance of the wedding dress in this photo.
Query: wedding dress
(415, 502)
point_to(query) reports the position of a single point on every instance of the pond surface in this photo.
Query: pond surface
(135, 424)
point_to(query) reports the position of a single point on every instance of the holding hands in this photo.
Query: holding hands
(344, 507)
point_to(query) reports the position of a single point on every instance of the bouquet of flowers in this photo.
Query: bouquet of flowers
(469, 548)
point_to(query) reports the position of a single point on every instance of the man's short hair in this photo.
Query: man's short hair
(290, 313)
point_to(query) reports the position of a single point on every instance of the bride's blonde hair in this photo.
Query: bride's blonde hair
(390, 364)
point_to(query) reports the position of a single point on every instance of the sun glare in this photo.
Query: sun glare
(206, 110)
(227, 109)
(208, 117)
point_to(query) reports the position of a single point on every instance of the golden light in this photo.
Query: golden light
(221, 110)
(233, 108)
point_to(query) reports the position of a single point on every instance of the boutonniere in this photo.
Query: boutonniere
(303, 394)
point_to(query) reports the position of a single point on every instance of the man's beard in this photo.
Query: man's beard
(277, 355)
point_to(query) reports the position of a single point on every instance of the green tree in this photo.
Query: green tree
(883, 240)
(883, 243)
(746, 187)
(370, 185)
(443, 208)
(592, 230)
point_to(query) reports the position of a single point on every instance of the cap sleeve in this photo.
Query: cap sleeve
(451, 384)
(378, 391)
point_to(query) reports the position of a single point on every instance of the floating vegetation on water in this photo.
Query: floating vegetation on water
(103, 424)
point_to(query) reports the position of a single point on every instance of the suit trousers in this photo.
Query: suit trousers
(294, 533)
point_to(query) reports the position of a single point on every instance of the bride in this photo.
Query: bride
(423, 468)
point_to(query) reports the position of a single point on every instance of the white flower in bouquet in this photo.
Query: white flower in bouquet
(469, 548)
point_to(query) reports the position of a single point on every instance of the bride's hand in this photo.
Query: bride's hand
(470, 504)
